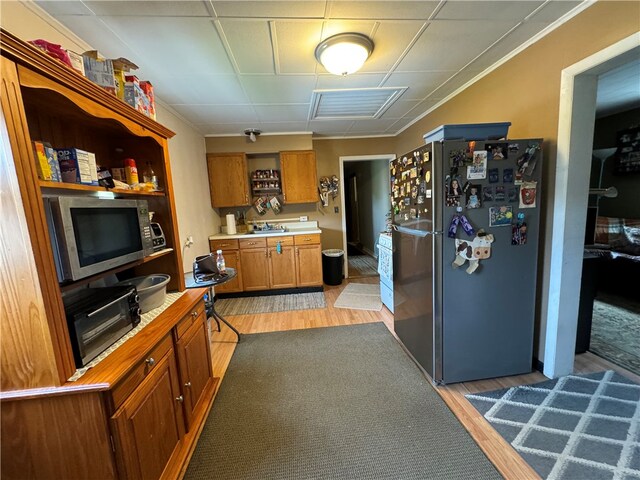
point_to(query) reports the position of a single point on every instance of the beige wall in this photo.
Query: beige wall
(186, 149)
(526, 92)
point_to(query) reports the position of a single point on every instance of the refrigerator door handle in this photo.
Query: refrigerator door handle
(415, 233)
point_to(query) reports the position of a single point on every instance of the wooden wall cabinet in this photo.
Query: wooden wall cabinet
(299, 176)
(228, 179)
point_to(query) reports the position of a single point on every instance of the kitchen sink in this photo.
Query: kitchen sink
(273, 230)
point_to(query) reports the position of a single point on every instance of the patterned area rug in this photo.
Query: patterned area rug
(362, 266)
(360, 296)
(270, 303)
(575, 427)
(615, 331)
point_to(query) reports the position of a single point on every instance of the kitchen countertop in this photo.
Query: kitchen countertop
(293, 228)
(298, 231)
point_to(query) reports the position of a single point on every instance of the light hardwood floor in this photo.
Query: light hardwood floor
(503, 456)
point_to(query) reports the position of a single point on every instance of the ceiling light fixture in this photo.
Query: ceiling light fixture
(252, 133)
(344, 53)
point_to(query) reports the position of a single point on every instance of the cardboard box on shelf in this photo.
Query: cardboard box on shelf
(75, 166)
(42, 164)
(122, 66)
(99, 70)
(118, 174)
(135, 96)
(147, 88)
(77, 62)
(52, 159)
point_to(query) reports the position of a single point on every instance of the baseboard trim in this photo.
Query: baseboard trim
(266, 293)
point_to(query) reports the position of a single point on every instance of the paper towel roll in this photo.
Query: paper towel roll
(231, 224)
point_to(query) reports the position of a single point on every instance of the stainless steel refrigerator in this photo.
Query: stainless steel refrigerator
(465, 305)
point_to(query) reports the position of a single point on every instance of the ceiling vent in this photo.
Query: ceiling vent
(353, 103)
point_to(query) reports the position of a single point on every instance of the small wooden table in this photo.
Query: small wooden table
(190, 282)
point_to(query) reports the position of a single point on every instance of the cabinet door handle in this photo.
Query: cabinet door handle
(194, 314)
(307, 239)
(188, 384)
(150, 361)
(246, 198)
(180, 399)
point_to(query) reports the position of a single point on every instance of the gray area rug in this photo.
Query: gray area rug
(573, 428)
(270, 303)
(615, 331)
(331, 403)
(362, 266)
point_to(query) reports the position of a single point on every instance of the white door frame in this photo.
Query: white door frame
(575, 140)
(357, 158)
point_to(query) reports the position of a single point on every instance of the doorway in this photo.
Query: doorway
(365, 202)
(575, 139)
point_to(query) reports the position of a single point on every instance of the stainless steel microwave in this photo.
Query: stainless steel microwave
(92, 235)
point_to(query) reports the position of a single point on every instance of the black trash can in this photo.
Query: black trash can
(332, 261)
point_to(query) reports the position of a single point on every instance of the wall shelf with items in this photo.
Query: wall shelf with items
(265, 182)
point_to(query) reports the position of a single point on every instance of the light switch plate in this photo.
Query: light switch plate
(304, 218)
(335, 209)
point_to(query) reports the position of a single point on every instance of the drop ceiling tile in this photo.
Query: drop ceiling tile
(356, 80)
(306, 9)
(297, 41)
(454, 83)
(54, 8)
(433, 49)
(334, 126)
(281, 127)
(199, 114)
(250, 43)
(222, 128)
(487, 10)
(420, 84)
(282, 113)
(333, 27)
(202, 89)
(184, 8)
(278, 89)
(96, 33)
(508, 44)
(193, 46)
(381, 10)
(390, 40)
(400, 108)
(554, 10)
(420, 109)
(366, 126)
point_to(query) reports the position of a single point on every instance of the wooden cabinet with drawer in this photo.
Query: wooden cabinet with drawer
(253, 257)
(231, 254)
(281, 260)
(308, 260)
(149, 427)
(194, 362)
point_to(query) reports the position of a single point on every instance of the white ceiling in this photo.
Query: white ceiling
(230, 65)
(619, 89)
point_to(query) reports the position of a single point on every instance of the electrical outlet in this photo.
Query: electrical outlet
(189, 241)
(335, 210)
(304, 218)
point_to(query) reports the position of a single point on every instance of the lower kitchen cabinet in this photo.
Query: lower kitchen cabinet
(308, 265)
(255, 270)
(282, 267)
(149, 426)
(274, 262)
(194, 364)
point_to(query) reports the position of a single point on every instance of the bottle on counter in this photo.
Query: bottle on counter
(220, 262)
(131, 171)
